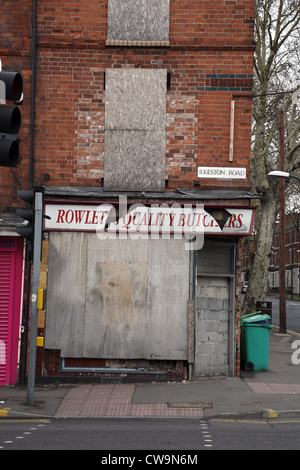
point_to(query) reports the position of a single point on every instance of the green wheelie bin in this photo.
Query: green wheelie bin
(255, 341)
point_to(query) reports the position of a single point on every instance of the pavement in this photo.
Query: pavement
(271, 394)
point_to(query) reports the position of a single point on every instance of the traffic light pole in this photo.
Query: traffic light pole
(38, 226)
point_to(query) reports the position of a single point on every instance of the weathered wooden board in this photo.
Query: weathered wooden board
(135, 130)
(117, 298)
(138, 20)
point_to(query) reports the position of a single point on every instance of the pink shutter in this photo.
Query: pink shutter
(7, 271)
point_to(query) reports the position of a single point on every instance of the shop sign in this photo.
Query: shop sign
(141, 219)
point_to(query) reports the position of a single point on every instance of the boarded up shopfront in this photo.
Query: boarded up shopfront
(123, 300)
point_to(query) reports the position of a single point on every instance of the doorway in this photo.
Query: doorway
(214, 332)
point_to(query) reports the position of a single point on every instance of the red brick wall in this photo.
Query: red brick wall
(210, 59)
(223, 23)
(15, 26)
(211, 22)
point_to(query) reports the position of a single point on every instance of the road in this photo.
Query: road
(292, 313)
(144, 439)
(174, 438)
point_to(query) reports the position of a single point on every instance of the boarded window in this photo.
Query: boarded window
(121, 299)
(135, 130)
(138, 20)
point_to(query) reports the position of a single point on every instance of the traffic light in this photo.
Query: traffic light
(26, 229)
(32, 213)
(11, 89)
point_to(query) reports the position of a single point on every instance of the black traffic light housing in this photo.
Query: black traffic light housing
(11, 89)
(29, 214)
(26, 229)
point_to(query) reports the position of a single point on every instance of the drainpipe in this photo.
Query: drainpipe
(24, 338)
(33, 72)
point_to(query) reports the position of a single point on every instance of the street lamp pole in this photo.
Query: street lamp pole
(281, 174)
(282, 239)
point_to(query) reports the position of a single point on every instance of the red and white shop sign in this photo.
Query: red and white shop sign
(157, 218)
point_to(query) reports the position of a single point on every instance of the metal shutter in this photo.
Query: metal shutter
(6, 309)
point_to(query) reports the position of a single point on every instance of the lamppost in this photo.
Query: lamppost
(283, 174)
(282, 262)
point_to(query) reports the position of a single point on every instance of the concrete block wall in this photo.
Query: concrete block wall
(212, 327)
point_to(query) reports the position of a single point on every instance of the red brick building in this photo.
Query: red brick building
(292, 257)
(149, 101)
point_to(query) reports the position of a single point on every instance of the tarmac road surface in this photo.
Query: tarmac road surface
(143, 441)
(292, 313)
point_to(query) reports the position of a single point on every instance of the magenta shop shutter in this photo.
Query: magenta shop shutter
(7, 264)
(10, 298)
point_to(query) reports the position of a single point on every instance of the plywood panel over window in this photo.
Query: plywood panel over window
(135, 130)
(66, 293)
(138, 20)
(119, 299)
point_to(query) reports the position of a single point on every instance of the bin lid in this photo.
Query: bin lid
(255, 318)
(258, 312)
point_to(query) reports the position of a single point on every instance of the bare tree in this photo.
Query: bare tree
(276, 69)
